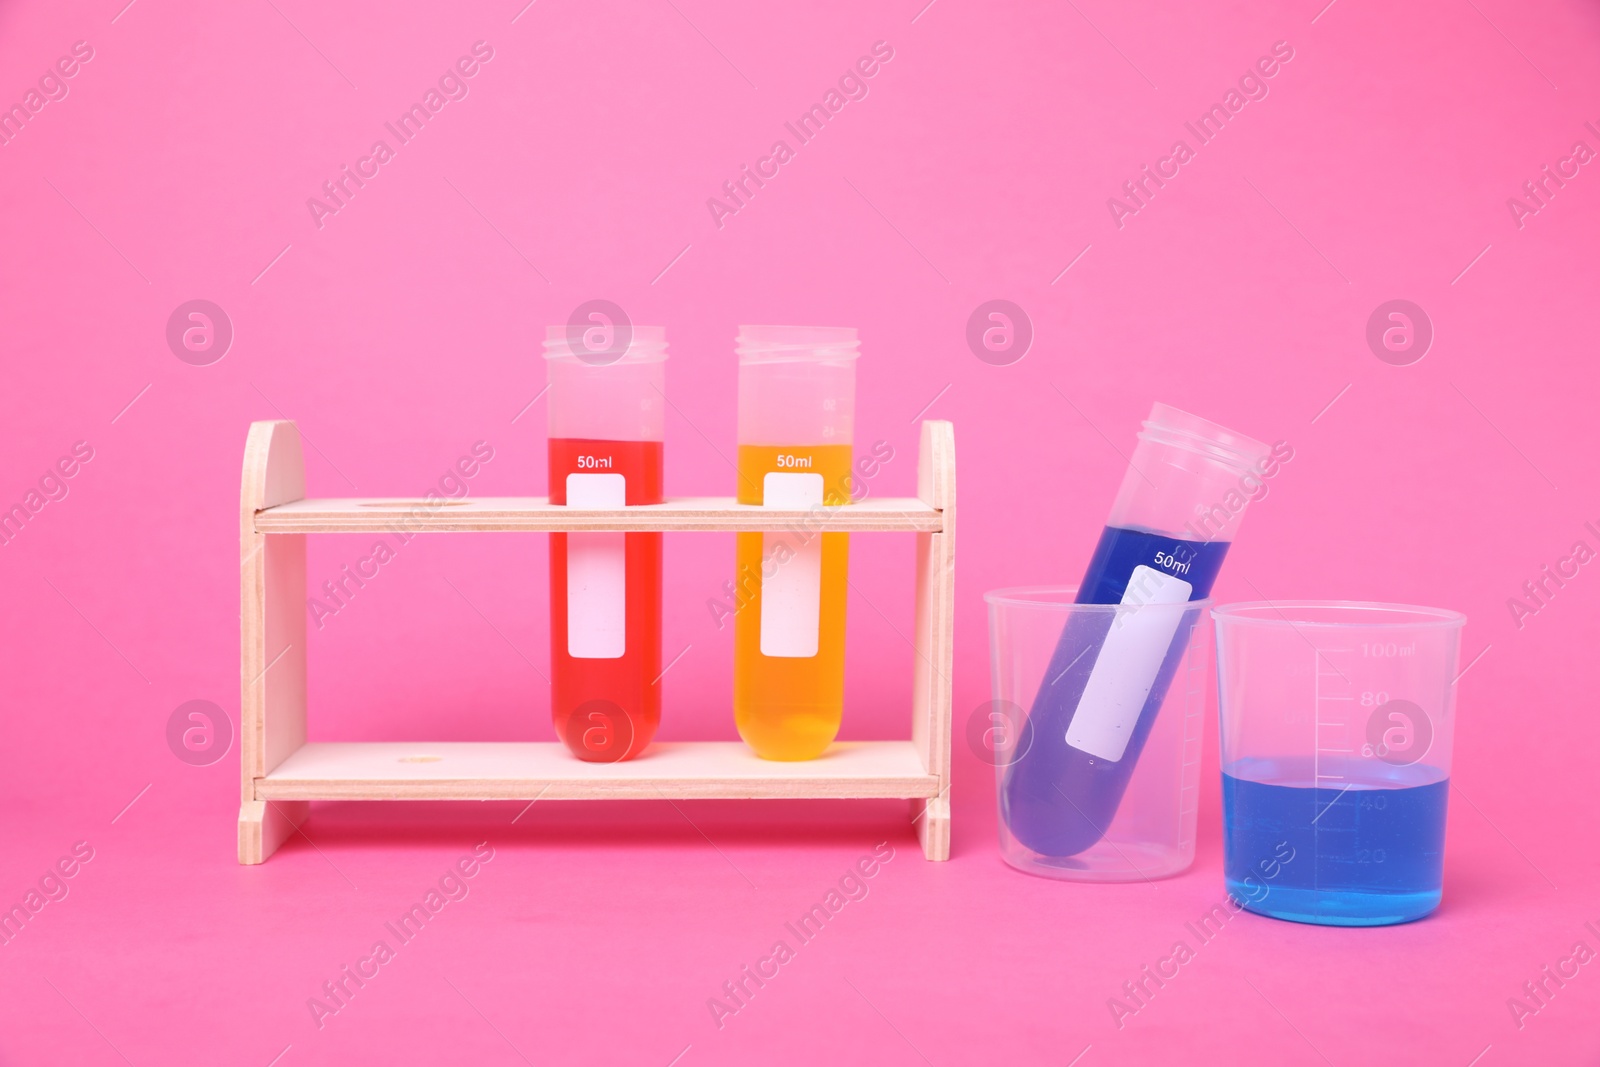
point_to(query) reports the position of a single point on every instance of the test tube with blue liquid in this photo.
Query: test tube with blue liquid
(1179, 507)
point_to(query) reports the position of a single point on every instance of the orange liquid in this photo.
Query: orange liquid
(787, 707)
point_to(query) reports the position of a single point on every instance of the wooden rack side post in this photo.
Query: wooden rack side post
(272, 629)
(935, 635)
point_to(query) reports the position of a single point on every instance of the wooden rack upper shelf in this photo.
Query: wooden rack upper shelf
(537, 514)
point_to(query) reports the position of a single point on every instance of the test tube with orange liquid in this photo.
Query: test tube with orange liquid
(796, 416)
(605, 450)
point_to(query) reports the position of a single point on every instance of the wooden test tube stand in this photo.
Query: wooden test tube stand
(281, 772)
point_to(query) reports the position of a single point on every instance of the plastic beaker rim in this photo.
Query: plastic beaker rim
(1278, 613)
(1061, 597)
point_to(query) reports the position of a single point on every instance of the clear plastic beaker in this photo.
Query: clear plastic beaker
(797, 393)
(1337, 720)
(605, 450)
(1151, 833)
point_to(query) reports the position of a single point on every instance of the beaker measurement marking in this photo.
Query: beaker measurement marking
(1387, 649)
(595, 462)
(794, 461)
(1172, 563)
(1339, 752)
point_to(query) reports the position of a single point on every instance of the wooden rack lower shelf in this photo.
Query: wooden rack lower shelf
(545, 770)
(281, 772)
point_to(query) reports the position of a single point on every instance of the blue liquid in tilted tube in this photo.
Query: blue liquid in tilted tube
(1060, 796)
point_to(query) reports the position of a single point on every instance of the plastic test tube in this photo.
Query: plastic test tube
(605, 427)
(1180, 505)
(796, 414)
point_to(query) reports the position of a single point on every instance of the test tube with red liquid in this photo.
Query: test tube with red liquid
(605, 426)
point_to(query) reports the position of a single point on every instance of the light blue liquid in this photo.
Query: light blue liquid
(1369, 855)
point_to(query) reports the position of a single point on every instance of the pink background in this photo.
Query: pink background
(578, 167)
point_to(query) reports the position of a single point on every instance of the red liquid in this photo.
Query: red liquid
(608, 709)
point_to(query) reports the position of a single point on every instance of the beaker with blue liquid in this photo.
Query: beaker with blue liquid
(1337, 720)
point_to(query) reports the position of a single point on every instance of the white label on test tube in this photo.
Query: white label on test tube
(791, 599)
(597, 573)
(1126, 668)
